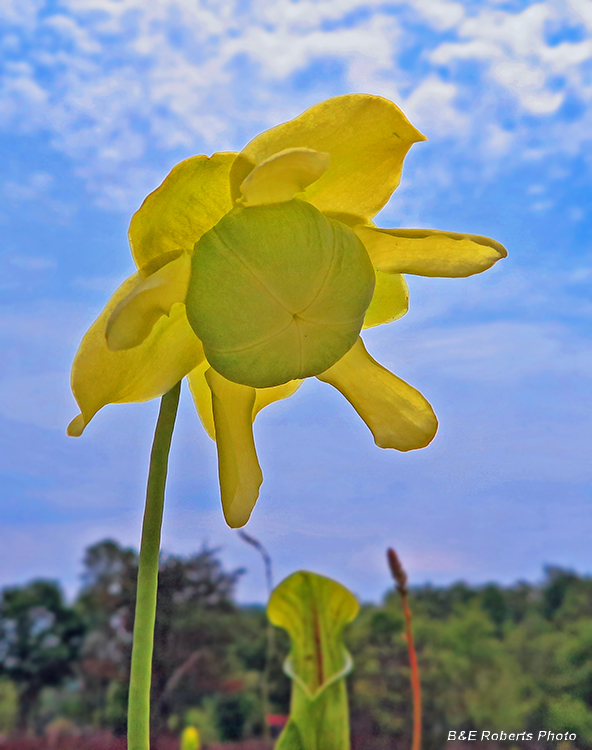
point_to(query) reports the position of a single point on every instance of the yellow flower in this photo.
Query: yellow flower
(190, 739)
(258, 269)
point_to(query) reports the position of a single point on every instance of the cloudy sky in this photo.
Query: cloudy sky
(100, 98)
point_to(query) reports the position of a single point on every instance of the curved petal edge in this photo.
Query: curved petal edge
(367, 138)
(427, 252)
(396, 413)
(101, 376)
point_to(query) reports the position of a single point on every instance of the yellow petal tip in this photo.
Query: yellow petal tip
(503, 253)
(236, 523)
(76, 426)
(238, 512)
(423, 435)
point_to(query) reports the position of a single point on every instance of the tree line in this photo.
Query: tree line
(513, 659)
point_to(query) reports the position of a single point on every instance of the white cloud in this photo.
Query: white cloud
(117, 81)
(442, 14)
(520, 57)
(20, 11)
(580, 10)
(432, 105)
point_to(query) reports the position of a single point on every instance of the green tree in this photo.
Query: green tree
(557, 585)
(40, 638)
(196, 626)
(106, 601)
(8, 706)
(379, 685)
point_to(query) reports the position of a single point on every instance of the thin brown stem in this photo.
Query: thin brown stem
(400, 577)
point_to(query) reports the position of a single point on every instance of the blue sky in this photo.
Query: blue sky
(100, 98)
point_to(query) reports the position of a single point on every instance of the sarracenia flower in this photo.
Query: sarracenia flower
(258, 269)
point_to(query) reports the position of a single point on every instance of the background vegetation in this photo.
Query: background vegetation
(499, 658)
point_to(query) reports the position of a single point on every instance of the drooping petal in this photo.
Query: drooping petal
(428, 252)
(202, 396)
(390, 300)
(283, 175)
(135, 316)
(238, 467)
(367, 138)
(192, 199)
(101, 376)
(397, 415)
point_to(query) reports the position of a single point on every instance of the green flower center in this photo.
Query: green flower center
(278, 292)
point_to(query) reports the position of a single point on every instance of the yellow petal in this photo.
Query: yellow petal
(390, 300)
(367, 138)
(266, 396)
(428, 252)
(202, 396)
(135, 316)
(280, 177)
(397, 415)
(101, 376)
(192, 199)
(238, 467)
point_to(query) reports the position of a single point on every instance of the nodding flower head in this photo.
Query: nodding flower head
(259, 269)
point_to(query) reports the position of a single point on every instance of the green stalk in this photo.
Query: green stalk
(138, 726)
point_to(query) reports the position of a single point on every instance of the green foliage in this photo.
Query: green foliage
(40, 638)
(116, 700)
(559, 583)
(204, 719)
(194, 636)
(470, 678)
(568, 714)
(291, 738)
(196, 625)
(232, 714)
(106, 602)
(8, 706)
(516, 657)
(494, 604)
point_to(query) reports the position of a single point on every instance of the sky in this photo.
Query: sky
(99, 99)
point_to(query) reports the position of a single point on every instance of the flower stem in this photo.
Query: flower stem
(138, 732)
(400, 577)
